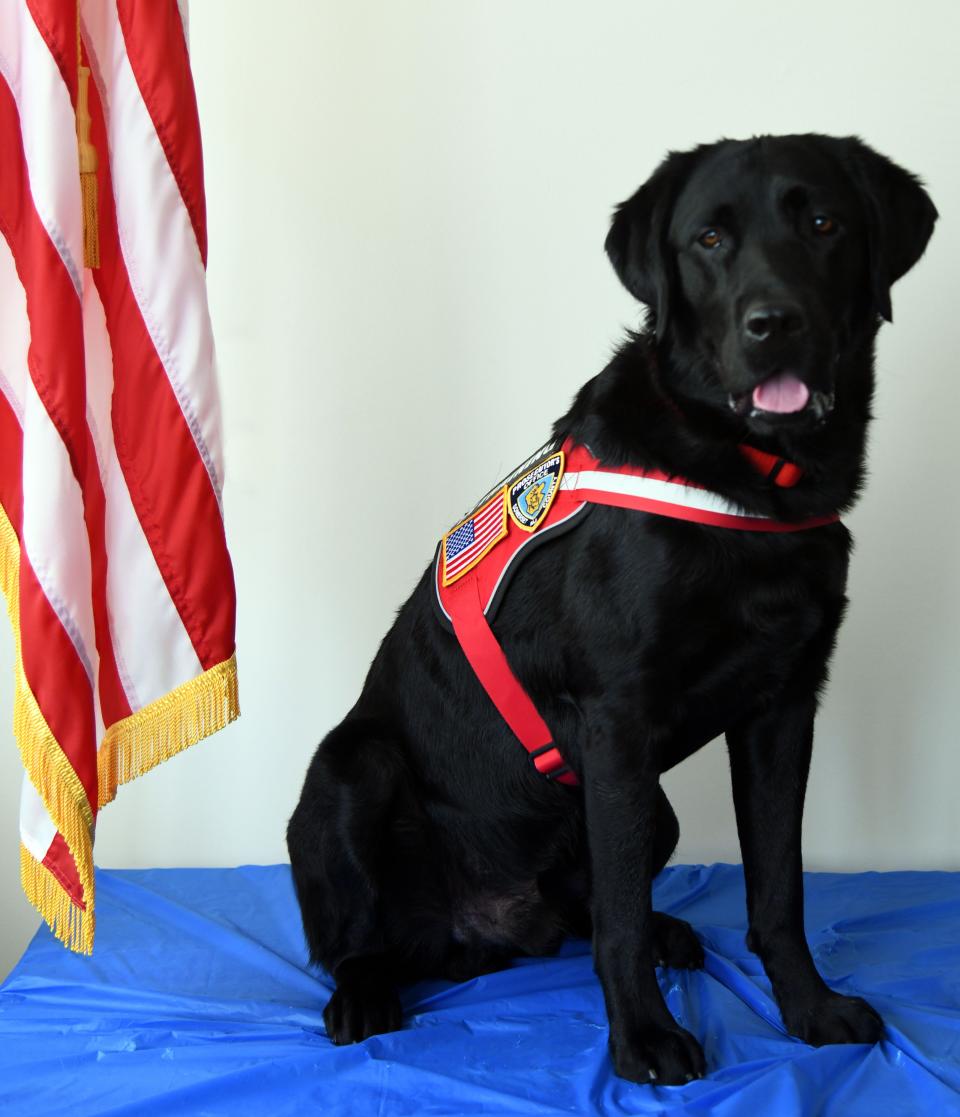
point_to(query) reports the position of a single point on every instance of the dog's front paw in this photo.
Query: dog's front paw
(659, 1056)
(356, 1013)
(835, 1019)
(674, 943)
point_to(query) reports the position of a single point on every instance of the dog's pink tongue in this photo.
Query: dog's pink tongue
(782, 393)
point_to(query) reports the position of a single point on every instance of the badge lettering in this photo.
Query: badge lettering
(530, 498)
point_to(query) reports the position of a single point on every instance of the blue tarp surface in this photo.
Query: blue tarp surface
(199, 1000)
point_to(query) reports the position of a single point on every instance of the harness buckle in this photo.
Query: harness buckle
(548, 761)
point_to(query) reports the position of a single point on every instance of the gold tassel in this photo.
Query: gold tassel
(89, 161)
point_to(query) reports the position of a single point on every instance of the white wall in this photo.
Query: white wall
(407, 210)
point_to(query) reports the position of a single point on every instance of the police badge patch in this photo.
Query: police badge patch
(530, 498)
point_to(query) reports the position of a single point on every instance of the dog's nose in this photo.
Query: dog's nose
(765, 321)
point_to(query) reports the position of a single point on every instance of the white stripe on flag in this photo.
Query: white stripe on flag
(54, 531)
(46, 115)
(14, 332)
(37, 830)
(141, 614)
(161, 255)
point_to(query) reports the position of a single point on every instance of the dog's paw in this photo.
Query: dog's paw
(354, 1014)
(659, 1056)
(675, 944)
(836, 1019)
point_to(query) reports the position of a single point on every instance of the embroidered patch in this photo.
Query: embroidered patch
(530, 497)
(465, 545)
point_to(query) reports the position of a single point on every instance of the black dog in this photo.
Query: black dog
(425, 842)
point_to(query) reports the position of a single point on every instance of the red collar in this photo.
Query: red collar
(778, 470)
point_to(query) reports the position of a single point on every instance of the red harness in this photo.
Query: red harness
(477, 557)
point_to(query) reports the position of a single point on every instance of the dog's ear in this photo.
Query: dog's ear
(900, 217)
(637, 241)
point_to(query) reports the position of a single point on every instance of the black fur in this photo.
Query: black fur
(424, 842)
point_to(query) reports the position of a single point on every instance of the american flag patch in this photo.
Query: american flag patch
(465, 545)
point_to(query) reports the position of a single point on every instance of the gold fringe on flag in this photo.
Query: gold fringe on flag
(167, 726)
(67, 922)
(53, 776)
(130, 747)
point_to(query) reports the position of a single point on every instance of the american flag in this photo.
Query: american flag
(470, 540)
(113, 559)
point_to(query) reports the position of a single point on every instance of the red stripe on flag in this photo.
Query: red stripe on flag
(58, 680)
(168, 481)
(114, 705)
(157, 49)
(59, 861)
(56, 366)
(11, 451)
(57, 23)
(53, 307)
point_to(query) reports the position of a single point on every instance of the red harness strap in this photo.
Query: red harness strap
(477, 556)
(490, 665)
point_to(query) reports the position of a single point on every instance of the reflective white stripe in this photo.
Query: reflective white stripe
(46, 115)
(14, 332)
(648, 488)
(157, 240)
(37, 830)
(141, 614)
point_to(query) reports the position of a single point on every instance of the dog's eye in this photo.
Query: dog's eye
(824, 225)
(710, 238)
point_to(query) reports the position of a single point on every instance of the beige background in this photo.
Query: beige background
(407, 210)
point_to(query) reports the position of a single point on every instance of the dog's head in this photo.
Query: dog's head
(764, 261)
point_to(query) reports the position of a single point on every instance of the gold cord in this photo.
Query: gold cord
(89, 161)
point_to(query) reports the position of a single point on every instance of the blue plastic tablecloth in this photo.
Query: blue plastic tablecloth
(199, 1000)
